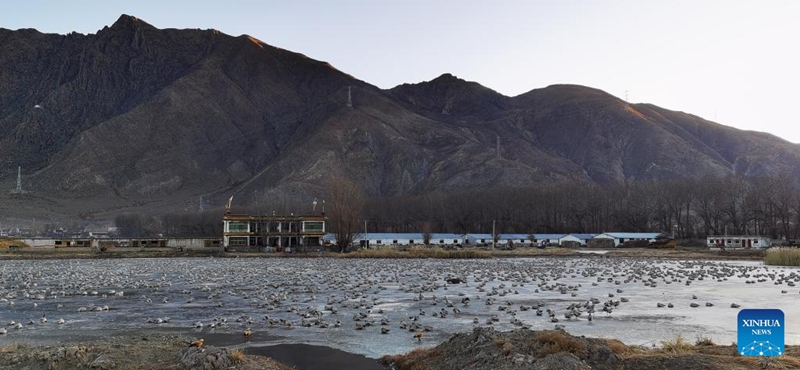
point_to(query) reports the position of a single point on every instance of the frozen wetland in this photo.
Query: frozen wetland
(377, 306)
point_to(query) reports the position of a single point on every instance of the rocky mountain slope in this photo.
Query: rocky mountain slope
(135, 118)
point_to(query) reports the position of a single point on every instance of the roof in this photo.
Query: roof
(617, 235)
(262, 218)
(581, 236)
(390, 236)
(549, 236)
(514, 236)
(447, 236)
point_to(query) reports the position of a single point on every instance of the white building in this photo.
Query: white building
(738, 241)
(581, 239)
(514, 239)
(478, 240)
(390, 239)
(620, 238)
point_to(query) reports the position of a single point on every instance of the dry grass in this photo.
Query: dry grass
(782, 256)
(505, 345)
(13, 347)
(533, 252)
(554, 341)
(617, 347)
(677, 345)
(237, 356)
(703, 341)
(6, 242)
(410, 361)
(416, 252)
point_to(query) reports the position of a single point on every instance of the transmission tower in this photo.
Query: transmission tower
(18, 189)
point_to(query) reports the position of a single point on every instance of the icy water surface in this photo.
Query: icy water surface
(342, 303)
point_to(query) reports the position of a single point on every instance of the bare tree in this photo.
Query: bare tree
(346, 205)
(427, 232)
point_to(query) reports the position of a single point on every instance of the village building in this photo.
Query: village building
(374, 240)
(616, 239)
(277, 233)
(514, 239)
(478, 240)
(738, 241)
(578, 240)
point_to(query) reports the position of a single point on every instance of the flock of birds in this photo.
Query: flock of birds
(266, 296)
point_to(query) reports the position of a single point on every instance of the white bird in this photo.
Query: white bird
(60, 321)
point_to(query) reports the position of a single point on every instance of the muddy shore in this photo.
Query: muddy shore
(483, 348)
(159, 351)
(486, 348)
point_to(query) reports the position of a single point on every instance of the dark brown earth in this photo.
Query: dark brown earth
(486, 348)
(149, 351)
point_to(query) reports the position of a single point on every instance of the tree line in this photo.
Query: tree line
(691, 208)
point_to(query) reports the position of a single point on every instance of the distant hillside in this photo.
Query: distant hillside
(134, 119)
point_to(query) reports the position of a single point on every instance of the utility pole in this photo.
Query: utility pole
(494, 224)
(365, 235)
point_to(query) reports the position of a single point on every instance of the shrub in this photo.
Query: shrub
(677, 345)
(237, 356)
(703, 341)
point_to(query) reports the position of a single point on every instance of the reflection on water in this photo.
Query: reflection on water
(325, 301)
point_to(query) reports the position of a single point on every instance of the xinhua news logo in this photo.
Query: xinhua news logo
(761, 332)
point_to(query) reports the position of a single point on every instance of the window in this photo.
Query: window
(411, 241)
(378, 242)
(314, 225)
(394, 241)
(237, 240)
(483, 240)
(522, 241)
(237, 226)
(728, 241)
(441, 241)
(58, 242)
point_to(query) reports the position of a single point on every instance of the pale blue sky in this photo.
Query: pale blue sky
(733, 62)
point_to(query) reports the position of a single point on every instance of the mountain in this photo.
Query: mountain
(139, 119)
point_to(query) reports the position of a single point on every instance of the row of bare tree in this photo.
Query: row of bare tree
(686, 208)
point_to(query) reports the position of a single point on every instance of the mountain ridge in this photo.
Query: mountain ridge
(136, 118)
